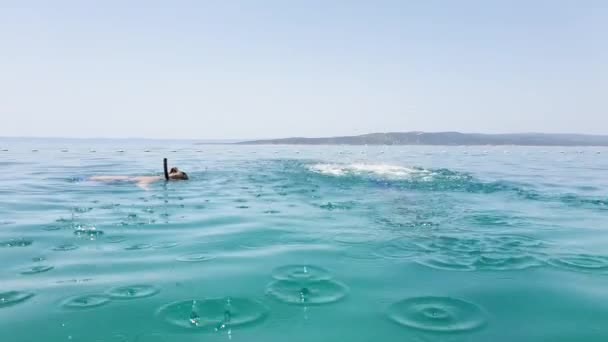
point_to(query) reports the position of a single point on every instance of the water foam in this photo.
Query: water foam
(376, 170)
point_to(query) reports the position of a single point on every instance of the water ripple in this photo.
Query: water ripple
(437, 314)
(213, 314)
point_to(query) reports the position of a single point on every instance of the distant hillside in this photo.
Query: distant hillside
(445, 138)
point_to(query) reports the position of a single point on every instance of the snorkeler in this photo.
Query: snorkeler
(144, 181)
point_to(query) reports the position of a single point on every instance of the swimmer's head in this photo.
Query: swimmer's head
(176, 174)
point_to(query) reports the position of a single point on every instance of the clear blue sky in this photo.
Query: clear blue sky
(252, 69)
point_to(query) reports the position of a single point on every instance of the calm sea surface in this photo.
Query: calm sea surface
(303, 243)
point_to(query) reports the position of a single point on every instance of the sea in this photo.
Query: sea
(302, 243)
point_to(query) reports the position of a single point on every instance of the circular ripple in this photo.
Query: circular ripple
(89, 232)
(354, 238)
(360, 253)
(448, 263)
(164, 245)
(439, 314)
(37, 269)
(11, 298)
(65, 247)
(132, 292)
(115, 238)
(401, 248)
(301, 272)
(307, 292)
(455, 244)
(272, 212)
(195, 257)
(16, 243)
(86, 301)
(138, 247)
(500, 262)
(581, 263)
(213, 314)
(517, 241)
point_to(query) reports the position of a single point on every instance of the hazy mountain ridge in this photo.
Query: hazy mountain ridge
(445, 138)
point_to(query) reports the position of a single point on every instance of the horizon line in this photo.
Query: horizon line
(289, 137)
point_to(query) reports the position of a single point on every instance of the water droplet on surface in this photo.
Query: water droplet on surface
(195, 257)
(37, 269)
(65, 247)
(164, 245)
(74, 281)
(86, 301)
(307, 292)
(11, 298)
(272, 212)
(437, 314)
(213, 314)
(88, 232)
(82, 210)
(301, 272)
(16, 243)
(138, 247)
(115, 238)
(132, 292)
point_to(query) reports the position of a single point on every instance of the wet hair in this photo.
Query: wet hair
(175, 172)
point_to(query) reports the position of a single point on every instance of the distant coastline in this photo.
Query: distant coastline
(393, 138)
(444, 138)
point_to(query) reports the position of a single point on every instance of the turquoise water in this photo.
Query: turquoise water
(275, 243)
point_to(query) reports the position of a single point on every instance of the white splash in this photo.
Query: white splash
(378, 170)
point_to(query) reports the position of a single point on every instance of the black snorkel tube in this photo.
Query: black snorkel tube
(165, 168)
